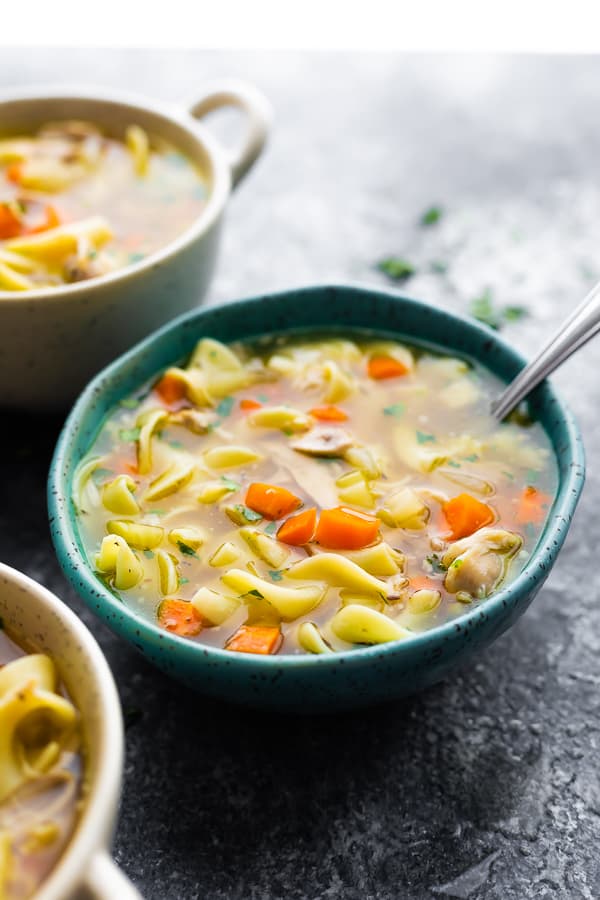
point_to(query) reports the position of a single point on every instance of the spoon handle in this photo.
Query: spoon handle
(579, 328)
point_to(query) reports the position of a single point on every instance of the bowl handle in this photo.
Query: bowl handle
(258, 114)
(104, 880)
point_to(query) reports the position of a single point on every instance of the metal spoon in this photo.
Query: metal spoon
(577, 330)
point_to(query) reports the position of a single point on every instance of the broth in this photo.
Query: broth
(313, 494)
(76, 204)
(40, 770)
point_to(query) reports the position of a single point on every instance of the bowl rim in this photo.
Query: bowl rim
(220, 184)
(101, 801)
(79, 572)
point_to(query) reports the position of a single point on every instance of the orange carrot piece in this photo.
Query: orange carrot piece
(169, 389)
(346, 529)
(271, 501)
(10, 223)
(263, 639)
(51, 220)
(298, 530)
(533, 506)
(179, 617)
(465, 514)
(424, 583)
(248, 405)
(380, 367)
(328, 414)
(13, 173)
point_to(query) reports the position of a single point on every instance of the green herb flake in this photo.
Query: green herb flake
(230, 484)
(248, 514)
(256, 594)
(482, 308)
(136, 257)
(514, 313)
(472, 457)
(532, 476)
(438, 267)
(177, 445)
(288, 432)
(508, 475)
(396, 268)
(149, 554)
(262, 398)
(129, 434)
(271, 528)
(423, 438)
(156, 512)
(187, 551)
(431, 216)
(454, 464)
(276, 575)
(225, 406)
(396, 410)
(436, 564)
(130, 402)
(457, 563)
(184, 581)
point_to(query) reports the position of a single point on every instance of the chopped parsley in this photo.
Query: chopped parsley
(230, 484)
(423, 438)
(187, 551)
(184, 581)
(225, 406)
(532, 476)
(130, 402)
(276, 575)
(436, 564)
(256, 594)
(396, 268)
(396, 410)
(271, 528)
(136, 257)
(248, 514)
(149, 554)
(129, 434)
(484, 310)
(438, 266)
(100, 474)
(431, 216)
(454, 464)
(262, 398)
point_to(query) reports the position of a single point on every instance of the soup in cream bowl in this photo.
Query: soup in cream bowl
(303, 501)
(61, 751)
(111, 209)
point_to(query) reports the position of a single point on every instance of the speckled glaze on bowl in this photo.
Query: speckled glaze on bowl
(52, 340)
(38, 618)
(342, 680)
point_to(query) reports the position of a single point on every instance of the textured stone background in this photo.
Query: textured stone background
(488, 785)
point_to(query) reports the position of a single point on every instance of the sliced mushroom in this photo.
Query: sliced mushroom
(195, 420)
(323, 440)
(477, 564)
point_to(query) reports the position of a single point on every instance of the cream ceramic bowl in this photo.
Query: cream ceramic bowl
(30, 611)
(53, 340)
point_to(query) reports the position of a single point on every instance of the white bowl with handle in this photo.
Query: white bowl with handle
(32, 613)
(52, 340)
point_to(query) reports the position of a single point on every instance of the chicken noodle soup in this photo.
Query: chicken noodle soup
(40, 769)
(311, 495)
(76, 204)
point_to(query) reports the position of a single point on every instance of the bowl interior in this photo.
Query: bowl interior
(37, 618)
(26, 114)
(317, 308)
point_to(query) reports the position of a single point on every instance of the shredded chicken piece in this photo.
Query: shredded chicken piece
(323, 441)
(195, 420)
(477, 564)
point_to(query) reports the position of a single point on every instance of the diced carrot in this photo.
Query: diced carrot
(298, 530)
(51, 220)
(247, 404)
(329, 414)
(271, 501)
(263, 639)
(380, 367)
(533, 506)
(179, 617)
(346, 529)
(10, 223)
(465, 514)
(424, 583)
(132, 468)
(169, 389)
(13, 173)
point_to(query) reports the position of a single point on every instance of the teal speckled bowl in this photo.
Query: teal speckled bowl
(342, 680)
